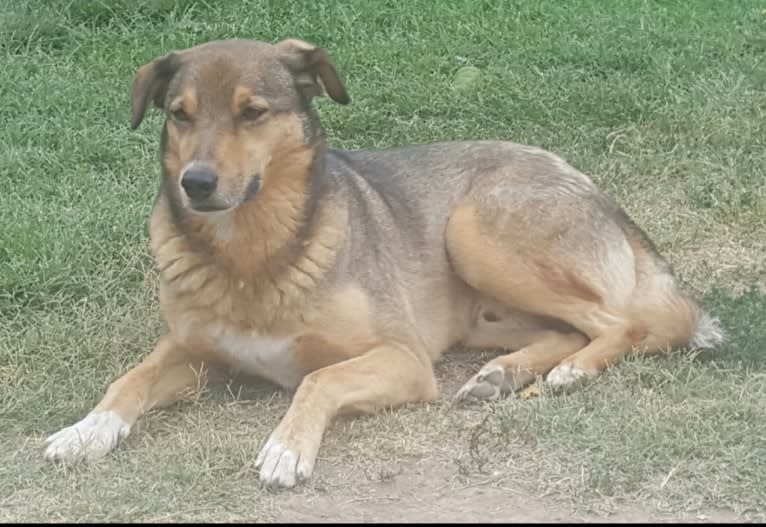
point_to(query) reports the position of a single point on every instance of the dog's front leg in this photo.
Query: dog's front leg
(161, 378)
(386, 376)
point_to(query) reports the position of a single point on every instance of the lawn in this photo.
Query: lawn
(662, 102)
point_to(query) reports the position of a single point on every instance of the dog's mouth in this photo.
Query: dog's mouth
(206, 207)
(252, 188)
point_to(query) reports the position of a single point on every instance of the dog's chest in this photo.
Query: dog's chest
(270, 357)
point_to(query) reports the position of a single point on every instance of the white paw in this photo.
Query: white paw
(564, 375)
(89, 439)
(281, 466)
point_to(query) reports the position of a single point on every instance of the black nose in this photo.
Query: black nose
(199, 182)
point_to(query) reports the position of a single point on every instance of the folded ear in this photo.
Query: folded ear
(307, 62)
(151, 84)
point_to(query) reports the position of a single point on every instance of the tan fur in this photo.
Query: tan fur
(344, 276)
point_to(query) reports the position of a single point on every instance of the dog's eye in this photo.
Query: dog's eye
(180, 116)
(252, 113)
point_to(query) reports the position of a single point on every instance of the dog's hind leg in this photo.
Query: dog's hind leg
(582, 267)
(166, 375)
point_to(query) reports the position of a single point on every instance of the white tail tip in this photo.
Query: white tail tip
(709, 333)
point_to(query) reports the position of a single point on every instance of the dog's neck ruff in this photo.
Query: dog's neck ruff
(276, 246)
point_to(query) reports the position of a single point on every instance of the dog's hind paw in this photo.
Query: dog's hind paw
(486, 385)
(89, 439)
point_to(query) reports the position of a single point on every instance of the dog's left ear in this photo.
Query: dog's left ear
(307, 62)
(150, 84)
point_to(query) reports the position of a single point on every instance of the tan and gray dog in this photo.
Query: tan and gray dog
(345, 275)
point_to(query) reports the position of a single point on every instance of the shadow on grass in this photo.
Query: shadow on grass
(744, 323)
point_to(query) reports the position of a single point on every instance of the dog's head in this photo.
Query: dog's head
(235, 110)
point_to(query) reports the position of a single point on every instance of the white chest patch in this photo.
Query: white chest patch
(268, 357)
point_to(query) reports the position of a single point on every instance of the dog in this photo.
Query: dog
(344, 275)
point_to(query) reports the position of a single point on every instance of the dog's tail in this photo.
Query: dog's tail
(672, 319)
(670, 316)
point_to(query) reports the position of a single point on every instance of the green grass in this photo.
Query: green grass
(662, 102)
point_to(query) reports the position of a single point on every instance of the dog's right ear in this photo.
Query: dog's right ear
(151, 84)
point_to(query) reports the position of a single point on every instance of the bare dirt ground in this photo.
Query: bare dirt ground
(426, 492)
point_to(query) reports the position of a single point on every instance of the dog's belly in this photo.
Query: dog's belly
(272, 358)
